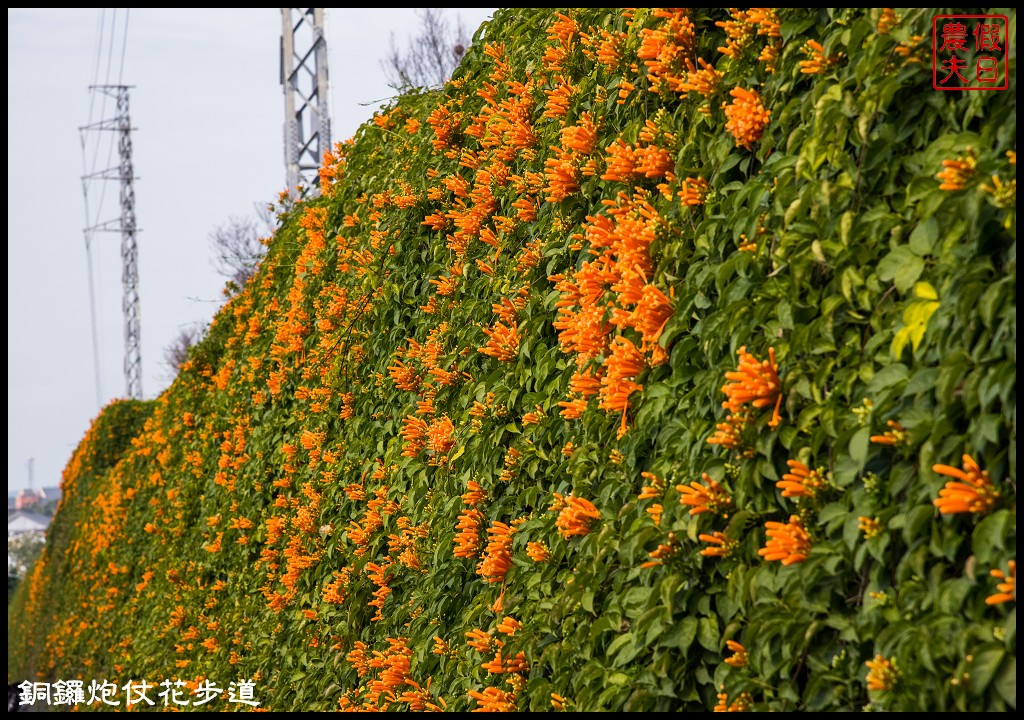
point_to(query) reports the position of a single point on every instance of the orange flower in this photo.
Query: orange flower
(497, 557)
(481, 641)
(624, 362)
(474, 495)
(887, 21)
(788, 542)
(818, 62)
(755, 383)
(895, 435)
(694, 191)
(503, 343)
(713, 498)
(563, 176)
(1007, 588)
(440, 435)
(869, 526)
(576, 516)
(538, 552)
(500, 665)
(800, 481)
(581, 137)
(957, 173)
(729, 433)
(740, 704)
(494, 700)
(747, 117)
(534, 418)
(653, 490)
(509, 625)
(467, 540)
(975, 492)
(704, 81)
(664, 550)
(718, 544)
(655, 511)
(739, 657)
(882, 673)
(909, 49)
(414, 431)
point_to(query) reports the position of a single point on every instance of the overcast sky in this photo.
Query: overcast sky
(208, 113)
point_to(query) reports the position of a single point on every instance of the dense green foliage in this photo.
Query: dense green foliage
(467, 398)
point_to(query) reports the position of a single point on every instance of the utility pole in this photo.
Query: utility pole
(124, 172)
(307, 124)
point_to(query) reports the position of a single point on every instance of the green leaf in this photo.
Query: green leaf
(618, 643)
(707, 633)
(922, 239)
(908, 273)
(1005, 682)
(983, 669)
(915, 521)
(991, 301)
(859, 445)
(682, 634)
(990, 535)
(891, 263)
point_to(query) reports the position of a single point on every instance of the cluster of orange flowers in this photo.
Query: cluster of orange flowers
(818, 62)
(494, 699)
(662, 552)
(617, 280)
(503, 342)
(1007, 587)
(718, 544)
(576, 516)
(895, 435)
(467, 539)
(788, 542)
(801, 481)
(538, 551)
(393, 682)
(332, 169)
(497, 557)
(882, 674)
(740, 704)
(746, 25)
(650, 492)
(971, 490)
(713, 498)
(871, 527)
(738, 659)
(956, 174)
(755, 384)
(746, 117)
(629, 164)
(664, 49)
(485, 643)
(887, 21)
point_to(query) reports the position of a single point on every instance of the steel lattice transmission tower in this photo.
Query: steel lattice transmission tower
(307, 124)
(124, 172)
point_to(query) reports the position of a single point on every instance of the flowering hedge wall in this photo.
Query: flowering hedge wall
(662, 360)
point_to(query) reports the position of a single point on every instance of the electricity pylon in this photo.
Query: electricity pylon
(307, 124)
(125, 224)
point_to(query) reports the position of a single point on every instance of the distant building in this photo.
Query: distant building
(28, 498)
(25, 521)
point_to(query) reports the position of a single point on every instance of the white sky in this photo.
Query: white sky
(208, 113)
